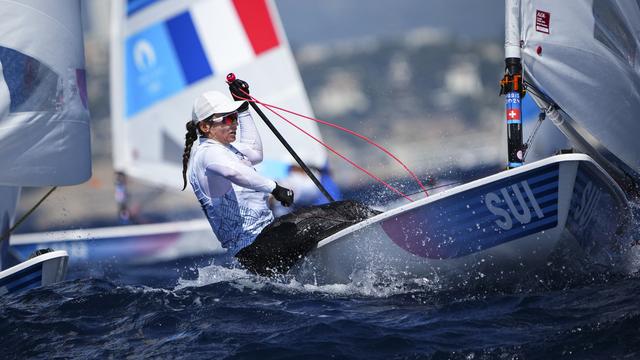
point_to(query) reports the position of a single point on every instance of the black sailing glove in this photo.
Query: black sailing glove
(284, 195)
(239, 91)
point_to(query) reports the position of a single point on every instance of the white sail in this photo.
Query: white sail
(584, 55)
(44, 118)
(165, 53)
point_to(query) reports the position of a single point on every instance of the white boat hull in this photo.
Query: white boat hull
(41, 270)
(508, 223)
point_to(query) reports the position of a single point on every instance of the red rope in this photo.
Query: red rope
(354, 134)
(252, 99)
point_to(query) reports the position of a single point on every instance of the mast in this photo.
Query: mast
(511, 84)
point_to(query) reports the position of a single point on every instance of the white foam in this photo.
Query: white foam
(632, 257)
(366, 284)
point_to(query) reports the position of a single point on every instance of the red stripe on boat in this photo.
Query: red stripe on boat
(256, 20)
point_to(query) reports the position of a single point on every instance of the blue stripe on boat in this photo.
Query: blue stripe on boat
(27, 282)
(21, 274)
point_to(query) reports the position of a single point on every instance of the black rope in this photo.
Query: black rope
(24, 217)
(527, 147)
(533, 90)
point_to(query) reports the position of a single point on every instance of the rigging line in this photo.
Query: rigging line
(252, 99)
(337, 153)
(537, 93)
(413, 175)
(541, 118)
(24, 217)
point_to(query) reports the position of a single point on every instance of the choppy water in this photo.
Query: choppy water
(212, 312)
(227, 313)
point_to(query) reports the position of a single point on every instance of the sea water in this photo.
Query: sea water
(230, 314)
(214, 312)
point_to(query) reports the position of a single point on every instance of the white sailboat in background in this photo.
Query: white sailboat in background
(581, 61)
(167, 53)
(44, 120)
(164, 54)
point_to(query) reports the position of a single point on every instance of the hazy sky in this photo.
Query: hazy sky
(330, 20)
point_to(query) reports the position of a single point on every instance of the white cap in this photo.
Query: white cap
(212, 102)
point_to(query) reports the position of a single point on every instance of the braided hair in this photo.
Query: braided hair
(189, 138)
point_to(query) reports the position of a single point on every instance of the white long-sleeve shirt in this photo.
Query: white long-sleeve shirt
(232, 193)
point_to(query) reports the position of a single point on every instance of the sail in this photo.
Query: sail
(44, 118)
(165, 53)
(584, 55)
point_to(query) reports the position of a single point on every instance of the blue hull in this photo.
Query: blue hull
(514, 221)
(123, 246)
(41, 270)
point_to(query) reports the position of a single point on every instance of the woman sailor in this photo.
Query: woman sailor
(220, 170)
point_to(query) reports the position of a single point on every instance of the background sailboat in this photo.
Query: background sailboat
(44, 119)
(164, 56)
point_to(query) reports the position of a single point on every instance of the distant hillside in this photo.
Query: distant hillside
(425, 95)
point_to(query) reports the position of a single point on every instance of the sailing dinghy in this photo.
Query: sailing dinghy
(581, 63)
(44, 122)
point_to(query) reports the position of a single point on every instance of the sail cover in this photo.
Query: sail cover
(165, 53)
(585, 56)
(44, 118)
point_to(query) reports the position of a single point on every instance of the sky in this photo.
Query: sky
(313, 21)
(327, 21)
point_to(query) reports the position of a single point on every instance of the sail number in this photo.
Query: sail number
(523, 216)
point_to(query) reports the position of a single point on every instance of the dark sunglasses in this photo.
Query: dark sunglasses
(226, 119)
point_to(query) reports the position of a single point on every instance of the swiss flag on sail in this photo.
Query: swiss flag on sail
(513, 114)
(234, 32)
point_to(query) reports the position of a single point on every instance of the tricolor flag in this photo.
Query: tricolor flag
(210, 38)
